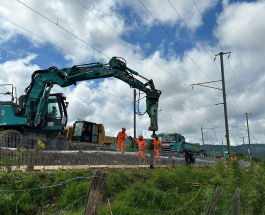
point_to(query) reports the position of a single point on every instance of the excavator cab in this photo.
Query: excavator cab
(56, 112)
(84, 131)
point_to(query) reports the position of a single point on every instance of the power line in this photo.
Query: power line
(136, 48)
(22, 58)
(64, 50)
(237, 83)
(130, 43)
(64, 29)
(207, 25)
(207, 53)
(46, 67)
(219, 45)
(187, 106)
(190, 30)
(177, 45)
(42, 38)
(174, 40)
(92, 46)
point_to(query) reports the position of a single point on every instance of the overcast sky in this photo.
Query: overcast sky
(167, 41)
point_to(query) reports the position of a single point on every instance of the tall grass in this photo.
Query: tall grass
(180, 190)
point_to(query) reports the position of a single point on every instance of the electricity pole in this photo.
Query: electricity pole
(134, 118)
(248, 137)
(202, 139)
(203, 133)
(224, 98)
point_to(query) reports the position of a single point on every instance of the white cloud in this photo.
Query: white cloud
(165, 13)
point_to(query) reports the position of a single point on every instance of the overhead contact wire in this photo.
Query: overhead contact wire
(140, 50)
(217, 43)
(207, 53)
(22, 58)
(176, 42)
(64, 29)
(85, 42)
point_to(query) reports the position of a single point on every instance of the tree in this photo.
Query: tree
(149, 145)
(131, 144)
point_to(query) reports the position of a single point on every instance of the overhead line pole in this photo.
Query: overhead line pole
(134, 118)
(224, 98)
(203, 133)
(202, 138)
(248, 137)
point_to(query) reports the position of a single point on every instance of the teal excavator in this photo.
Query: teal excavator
(39, 113)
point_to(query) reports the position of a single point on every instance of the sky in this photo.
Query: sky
(173, 42)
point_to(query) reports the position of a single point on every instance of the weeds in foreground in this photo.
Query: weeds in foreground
(182, 190)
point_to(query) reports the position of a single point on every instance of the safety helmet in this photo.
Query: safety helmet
(141, 137)
(123, 129)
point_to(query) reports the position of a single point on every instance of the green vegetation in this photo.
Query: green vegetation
(180, 190)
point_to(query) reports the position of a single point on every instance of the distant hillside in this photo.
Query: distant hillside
(257, 150)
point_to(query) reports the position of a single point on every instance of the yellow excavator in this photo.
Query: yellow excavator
(84, 133)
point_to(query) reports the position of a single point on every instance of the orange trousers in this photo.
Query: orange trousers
(120, 144)
(156, 153)
(141, 153)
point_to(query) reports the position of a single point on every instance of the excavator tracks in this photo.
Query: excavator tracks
(11, 138)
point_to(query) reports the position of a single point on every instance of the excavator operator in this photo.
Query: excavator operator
(157, 143)
(53, 113)
(121, 140)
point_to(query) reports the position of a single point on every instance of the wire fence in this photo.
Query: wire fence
(38, 151)
(68, 195)
(122, 195)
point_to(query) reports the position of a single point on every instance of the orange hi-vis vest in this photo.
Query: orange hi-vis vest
(122, 136)
(142, 144)
(156, 143)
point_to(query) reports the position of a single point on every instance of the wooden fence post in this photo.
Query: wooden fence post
(214, 200)
(237, 201)
(95, 192)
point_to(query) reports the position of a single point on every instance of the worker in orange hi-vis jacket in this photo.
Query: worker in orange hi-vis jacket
(157, 143)
(142, 148)
(121, 140)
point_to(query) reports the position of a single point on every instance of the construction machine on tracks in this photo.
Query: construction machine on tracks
(43, 115)
(84, 134)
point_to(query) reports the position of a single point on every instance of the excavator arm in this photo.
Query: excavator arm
(43, 81)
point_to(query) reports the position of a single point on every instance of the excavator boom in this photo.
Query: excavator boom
(42, 83)
(41, 112)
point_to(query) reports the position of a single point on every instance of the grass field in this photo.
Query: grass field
(180, 190)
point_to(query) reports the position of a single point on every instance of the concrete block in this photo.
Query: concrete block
(52, 168)
(115, 166)
(76, 167)
(39, 168)
(98, 166)
(144, 166)
(131, 166)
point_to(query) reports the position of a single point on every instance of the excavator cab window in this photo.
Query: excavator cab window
(56, 111)
(53, 108)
